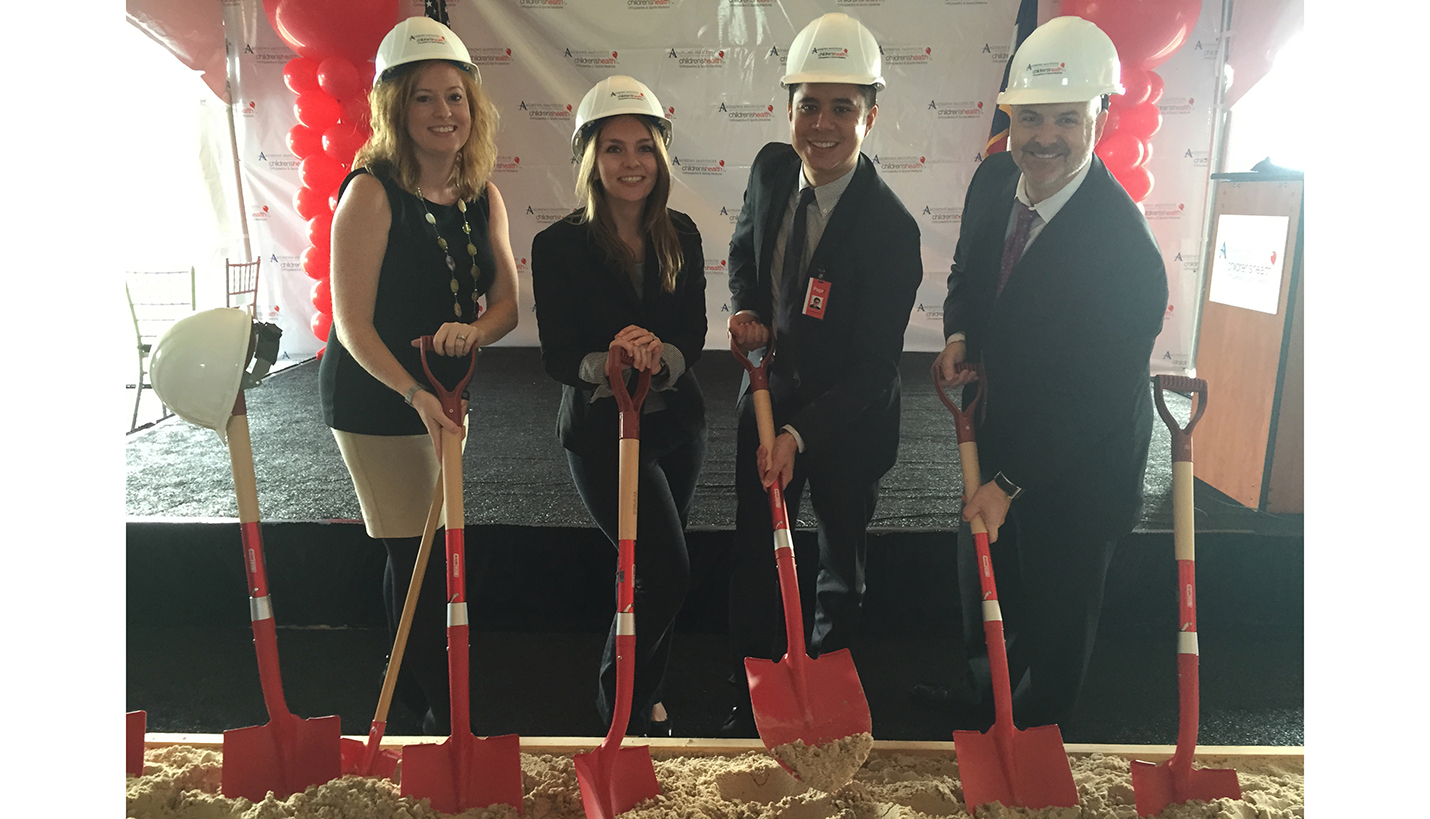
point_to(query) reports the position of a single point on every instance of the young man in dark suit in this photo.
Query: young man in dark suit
(1058, 289)
(826, 258)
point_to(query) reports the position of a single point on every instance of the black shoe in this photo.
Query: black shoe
(659, 728)
(740, 724)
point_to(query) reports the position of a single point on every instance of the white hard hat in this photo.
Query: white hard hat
(421, 38)
(835, 48)
(616, 95)
(198, 364)
(1067, 59)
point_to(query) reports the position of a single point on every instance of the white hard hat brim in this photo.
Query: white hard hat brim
(820, 76)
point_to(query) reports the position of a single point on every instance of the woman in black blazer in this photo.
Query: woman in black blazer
(624, 271)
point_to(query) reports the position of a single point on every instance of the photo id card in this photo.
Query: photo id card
(816, 297)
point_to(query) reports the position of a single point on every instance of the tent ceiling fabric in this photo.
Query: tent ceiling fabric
(191, 30)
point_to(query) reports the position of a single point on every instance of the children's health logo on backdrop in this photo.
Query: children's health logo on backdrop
(699, 167)
(965, 2)
(995, 53)
(1164, 211)
(1199, 159)
(267, 54)
(778, 54)
(971, 109)
(259, 214)
(286, 264)
(1209, 48)
(491, 56)
(280, 160)
(644, 5)
(860, 3)
(714, 268)
(545, 216)
(929, 311)
(591, 58)
(746, 113)
(697, 57)
(942, 215)
(899, 164)
(545, 110)
(507, 164)
(541, 4)
(731, 212)
(907, 55)
(1177, 106)
(764, 4)
(249, 108)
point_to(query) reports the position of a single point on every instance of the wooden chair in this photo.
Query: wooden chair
(156, 301)
(242, 290)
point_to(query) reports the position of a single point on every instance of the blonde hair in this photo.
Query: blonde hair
(655, 219)
(390, 146)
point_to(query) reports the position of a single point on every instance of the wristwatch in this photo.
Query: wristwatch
(1012, 490)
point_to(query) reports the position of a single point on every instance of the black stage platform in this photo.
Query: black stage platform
(541, 598)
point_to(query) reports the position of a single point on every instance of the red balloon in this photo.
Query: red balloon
(1146, 32)
(367, 71)
(1146, 152)
(322, 296)
(1114, 119)
(304, 141)
(300, 75)
(318, 29)
(317, 110)
(1141, 121)
(357, 113)
(1155, 87)
(1136, 180)
(320, 324)
(309, 203)
(320, 231)
(321, 172)
(1121, 150)
(315, 263)
(1135, 88)
(342, 141)
(338, 77)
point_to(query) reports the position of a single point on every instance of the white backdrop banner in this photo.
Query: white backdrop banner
(716, 67)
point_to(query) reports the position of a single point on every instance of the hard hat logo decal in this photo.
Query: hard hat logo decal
(428, 39)
(830, 53)
(1045, 69)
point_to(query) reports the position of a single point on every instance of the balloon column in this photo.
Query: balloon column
(1146, 33)
(336, 41)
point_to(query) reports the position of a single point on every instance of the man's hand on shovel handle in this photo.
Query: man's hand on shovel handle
(781, 466)
(955, 352)
(991, 503)
(747, 331)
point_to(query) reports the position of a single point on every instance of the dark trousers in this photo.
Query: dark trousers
(669, 466)
(422, 681)
(1050, 586)
(843, 497)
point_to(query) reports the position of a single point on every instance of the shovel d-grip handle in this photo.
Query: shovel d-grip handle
(629, 405)
(1181, 436)
(451, 398)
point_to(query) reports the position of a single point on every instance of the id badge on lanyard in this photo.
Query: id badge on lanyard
(816, 297)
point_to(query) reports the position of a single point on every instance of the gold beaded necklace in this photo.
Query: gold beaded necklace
(452, 263)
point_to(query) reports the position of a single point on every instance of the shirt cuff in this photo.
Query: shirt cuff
(674, 361)
(798, 441)
(952, 337)
(593, 371)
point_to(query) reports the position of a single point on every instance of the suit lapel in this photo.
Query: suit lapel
(782, 187)
(841, 224)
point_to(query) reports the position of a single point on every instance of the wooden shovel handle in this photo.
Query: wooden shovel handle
(963, 425)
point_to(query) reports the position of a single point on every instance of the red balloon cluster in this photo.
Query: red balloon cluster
(336, 41)
(1146, 33)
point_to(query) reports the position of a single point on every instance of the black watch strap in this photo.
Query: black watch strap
(1012, 490)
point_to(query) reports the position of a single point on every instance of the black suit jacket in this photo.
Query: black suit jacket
(583, 301)
(1066, 346)
(843, 385)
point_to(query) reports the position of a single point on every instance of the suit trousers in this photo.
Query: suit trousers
(843, 497)
(669, 466)
(1050, 584)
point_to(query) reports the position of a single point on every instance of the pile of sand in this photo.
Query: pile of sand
(180, 782)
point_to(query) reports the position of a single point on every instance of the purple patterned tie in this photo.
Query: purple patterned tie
(1013, 248)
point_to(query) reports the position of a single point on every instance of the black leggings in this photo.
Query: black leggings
(670, 464)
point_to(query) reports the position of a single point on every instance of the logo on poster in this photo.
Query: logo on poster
(491, 56)
(642, 5)
(747, 113)
(942, 215)
(259, 214)
(860, 3)
(1176, 107)
(906, 55)
(715, 268)
(541, 4)
(545, 216)
(588, 58)
(996, 53)
(733, 214)
(697, 57)
(545, 110)
(1163, 211)
(507, 164)
(1199, 159)
(268, 54)
(775, 52)
(970, 109)
(899, 164)
(249, 109)
(764, 4)
(279, 160)
(699, 167)
(931, 312)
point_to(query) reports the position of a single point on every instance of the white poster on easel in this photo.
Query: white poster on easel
(1248, 261)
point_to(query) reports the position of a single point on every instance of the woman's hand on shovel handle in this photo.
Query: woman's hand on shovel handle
(955, 352)
(991, 503)
(780, 466)
(642, 344)
(436, 421)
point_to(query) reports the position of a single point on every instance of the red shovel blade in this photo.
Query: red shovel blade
(614, 780)
(134, 724)
(1157, 786)
(369, 758)
(831, 706)
(285, 756)
(464, 772)
(1032, 772)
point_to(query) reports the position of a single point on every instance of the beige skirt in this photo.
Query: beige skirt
(394, 476)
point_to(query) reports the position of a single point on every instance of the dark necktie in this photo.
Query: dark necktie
(1013, 248)
(791, 277)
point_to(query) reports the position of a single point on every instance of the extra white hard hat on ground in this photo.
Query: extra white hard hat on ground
(834, 48)
(197, 366)
(420, 38)
(1067, 59)
(613, 96)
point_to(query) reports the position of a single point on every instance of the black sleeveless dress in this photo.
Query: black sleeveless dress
(414, 298)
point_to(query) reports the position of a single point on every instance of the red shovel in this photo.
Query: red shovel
(288, 754)
(614, 779)
(816, 701)
(465, 771)
(1019, 768)
(134, 724)
(370, 758)
(1174, 781)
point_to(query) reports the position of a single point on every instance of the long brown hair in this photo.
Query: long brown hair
(391, 146)
(655, 219)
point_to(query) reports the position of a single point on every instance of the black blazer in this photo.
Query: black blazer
(1065, 347)
(844, 389)
(582, 301)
